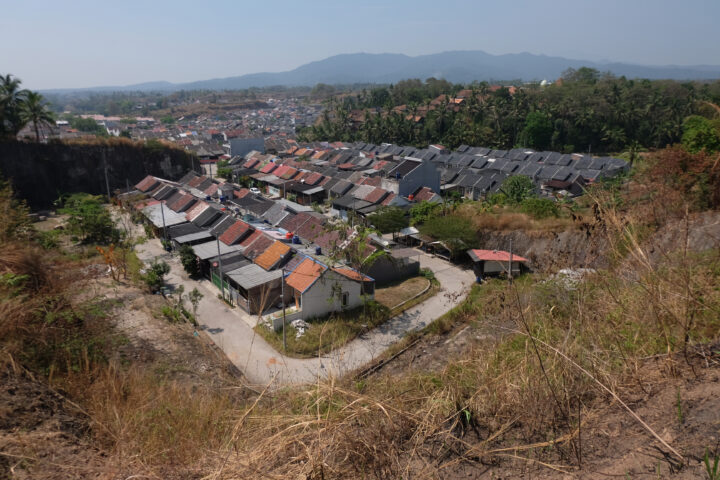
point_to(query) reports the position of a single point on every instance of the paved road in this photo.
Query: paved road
(231, 329)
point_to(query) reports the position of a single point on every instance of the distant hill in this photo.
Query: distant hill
(456, 66)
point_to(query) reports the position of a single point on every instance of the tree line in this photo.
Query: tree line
(20, 107)
(585, 110)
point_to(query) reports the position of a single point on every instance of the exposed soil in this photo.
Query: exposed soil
(45, 435)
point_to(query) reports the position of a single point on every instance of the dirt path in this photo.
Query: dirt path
(231, 329)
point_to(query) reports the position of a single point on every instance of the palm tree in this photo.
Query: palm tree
(11, 100)
(35, 110)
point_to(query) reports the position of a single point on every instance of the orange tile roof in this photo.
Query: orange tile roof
(352, 274)
(197, 181)
(196, 210)
(147, 183)
(305, 275)
(234, 233)
(270, 257)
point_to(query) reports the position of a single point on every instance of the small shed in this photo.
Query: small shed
(496, 262)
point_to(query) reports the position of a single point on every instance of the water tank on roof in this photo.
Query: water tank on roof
(318, 251)
(289, 235)
(296, 240)
(411, 197)
(208, 197)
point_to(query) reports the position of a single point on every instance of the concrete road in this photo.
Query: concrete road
(232, 329)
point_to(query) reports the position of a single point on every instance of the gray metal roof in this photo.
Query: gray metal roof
(210, 249)
(153, 213)
(252, 275)
(191, 237)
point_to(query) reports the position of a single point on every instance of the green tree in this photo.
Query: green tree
(12, 98)
(699, 133)
(89, 220)
(538, 131)
(35, 110)
(456, 232)
(194, 297)
(517, 188)
(189, 260)
(422, 211)
(390, 219)
(224, 170)
(155, 276)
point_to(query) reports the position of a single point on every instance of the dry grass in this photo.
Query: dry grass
(525, 399)
(507, 218)
(395, 294)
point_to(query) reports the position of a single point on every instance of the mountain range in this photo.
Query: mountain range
(455, 66)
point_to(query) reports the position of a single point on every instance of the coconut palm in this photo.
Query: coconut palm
(11, 100)
(35, 110)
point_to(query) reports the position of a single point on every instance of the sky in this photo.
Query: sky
(80, 43)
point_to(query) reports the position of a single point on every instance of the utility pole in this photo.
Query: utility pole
(162, 212)
(107, 182)
(127, 185)
(222, 285)
(282, 300)
(510, 277)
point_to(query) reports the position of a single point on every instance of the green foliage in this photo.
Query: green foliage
(89, 220)
(189, 260)
(587, 110)
(168, 120)
(155, 276)
(517, 188)
(224, 172)
(86, 125)
(712, 469)
(49, 240)
(420, 212)
(390, 219)
(538, 131)
(699, 133)
(540, 208)
(458, 233)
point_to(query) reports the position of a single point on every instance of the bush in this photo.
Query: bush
(540, 208)
(189, 260)
(155, 277)
(89, 220)
(517, 188)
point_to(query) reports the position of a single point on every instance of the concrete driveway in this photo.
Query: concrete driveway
(232, 329)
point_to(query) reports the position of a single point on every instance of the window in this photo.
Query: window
(345, 299)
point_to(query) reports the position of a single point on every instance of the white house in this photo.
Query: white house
(319, 290)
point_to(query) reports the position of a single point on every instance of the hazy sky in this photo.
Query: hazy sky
(79, 43)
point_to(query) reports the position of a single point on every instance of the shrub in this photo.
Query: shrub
(540, 207)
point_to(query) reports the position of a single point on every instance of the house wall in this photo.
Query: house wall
(425, 175)
(318, 300)
(494, 268)
(387, 270)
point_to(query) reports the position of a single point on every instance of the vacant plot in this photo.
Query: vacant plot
(396, 293)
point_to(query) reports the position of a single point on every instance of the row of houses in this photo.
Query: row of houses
(263, 253)
(363, 177)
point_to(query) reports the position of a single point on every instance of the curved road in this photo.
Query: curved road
(231, 329)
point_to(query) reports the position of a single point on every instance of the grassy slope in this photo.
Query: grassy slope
(513, 403)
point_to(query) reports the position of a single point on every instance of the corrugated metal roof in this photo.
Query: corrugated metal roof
(155, 215)
(210, 249)
(251, 276)
(191, 237)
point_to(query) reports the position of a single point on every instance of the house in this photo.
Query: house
(496, 262)
(407, 177)
(319, 290)
(253, 288)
